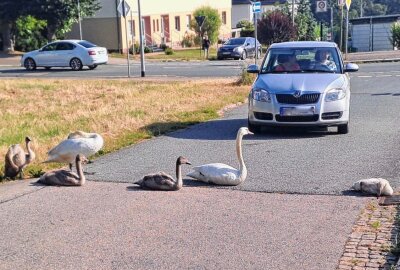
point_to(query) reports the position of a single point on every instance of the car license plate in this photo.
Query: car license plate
(226, 53)
(303, 110)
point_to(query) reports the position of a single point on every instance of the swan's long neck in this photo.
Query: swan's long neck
(179, 182)
(242, 166)
(31, 155)
(79, 170)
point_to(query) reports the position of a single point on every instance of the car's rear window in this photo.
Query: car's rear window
(86, 44)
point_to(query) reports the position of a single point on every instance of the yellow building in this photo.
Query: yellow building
(164, 22)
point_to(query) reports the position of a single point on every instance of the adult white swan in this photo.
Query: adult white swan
(163, 181)
(222, 174)
(78, 142)
(374, 186)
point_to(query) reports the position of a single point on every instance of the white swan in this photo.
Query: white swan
(163, 181)
(222, 174)
(65, 178)
(78, 142)
(16, 159)
(374, 186)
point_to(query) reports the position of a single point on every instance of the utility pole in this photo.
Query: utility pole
(347, 31)
(292, 12)
(341, 28)
(361, 9)
(142, 67)
(79, 20)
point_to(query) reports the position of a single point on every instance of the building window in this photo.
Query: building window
(132, 27)
(188, 19)
(224, 17)
(177, 23)
(158, 26)
(154, 25)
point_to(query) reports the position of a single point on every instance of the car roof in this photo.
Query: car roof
(304, 44)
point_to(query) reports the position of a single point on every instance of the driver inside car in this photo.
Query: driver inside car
(322, 60)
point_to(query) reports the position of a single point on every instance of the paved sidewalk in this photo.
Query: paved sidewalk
(115, 226)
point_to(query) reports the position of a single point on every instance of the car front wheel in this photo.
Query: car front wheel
(343, 129)
(253, 128)
(75, 64)
(29, 64)
(244, 55)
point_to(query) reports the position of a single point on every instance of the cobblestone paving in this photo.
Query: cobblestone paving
(373, 241)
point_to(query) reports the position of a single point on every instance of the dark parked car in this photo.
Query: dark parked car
(239, 48)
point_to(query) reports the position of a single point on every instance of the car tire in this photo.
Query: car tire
(244, 55)
(47, 68)
(29, 64)
(236, 58)
(75, 64)
(92, 67)
(253, 128)
(220, 58)
(343, 129)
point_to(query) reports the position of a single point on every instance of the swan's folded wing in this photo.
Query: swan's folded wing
(69, 147)
(217, 173)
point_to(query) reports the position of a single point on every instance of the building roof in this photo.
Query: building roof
(263, 2)
(376, 19)
(304, 44)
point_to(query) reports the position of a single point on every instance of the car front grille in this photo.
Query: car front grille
(303, 99)
(263, 116)
(331, 115)
(297, 118)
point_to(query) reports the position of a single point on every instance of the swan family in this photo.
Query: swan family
(79, 145)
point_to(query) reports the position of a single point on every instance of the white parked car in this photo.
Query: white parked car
(303, 83)
(66, 53)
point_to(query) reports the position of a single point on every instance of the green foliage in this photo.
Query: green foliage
(246, 78)
(245, 24)
(305, 21)
(169, 51)
(275, 27)
(395, 39)
(211, 24)
(29, 33)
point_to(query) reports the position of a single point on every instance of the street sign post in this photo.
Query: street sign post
(200, 21)
(123, 9)
(256, 7)
(322, 6)
(348, 3)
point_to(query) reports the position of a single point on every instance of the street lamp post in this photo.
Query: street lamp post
(79, 20)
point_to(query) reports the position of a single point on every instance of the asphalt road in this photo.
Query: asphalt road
(226, 68)
(108, 225)
(285, 160)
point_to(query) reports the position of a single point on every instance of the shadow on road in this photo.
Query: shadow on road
(38, 71)
(226, 129)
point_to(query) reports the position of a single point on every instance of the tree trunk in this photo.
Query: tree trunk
(8, 43)
(51, 32)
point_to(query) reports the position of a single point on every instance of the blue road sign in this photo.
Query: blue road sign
(256, 7)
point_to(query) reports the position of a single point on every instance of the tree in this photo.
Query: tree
(247, 28)
(275, 27)
(211, 24)
(395, 39)
(61, 14)
(305, 21)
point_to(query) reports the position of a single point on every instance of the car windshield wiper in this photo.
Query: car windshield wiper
(319, 70)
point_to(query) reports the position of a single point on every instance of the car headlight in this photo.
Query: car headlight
(261, 95)
(238, 49)
(335, 94)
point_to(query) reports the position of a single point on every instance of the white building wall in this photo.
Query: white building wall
(241, 12)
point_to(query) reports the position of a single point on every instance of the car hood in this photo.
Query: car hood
(231, 46)
(31, 53)
(310, 82)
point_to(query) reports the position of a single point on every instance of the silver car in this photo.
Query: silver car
(303, 83)
(66, 53)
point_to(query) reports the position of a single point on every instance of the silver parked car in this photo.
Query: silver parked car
(303, 83)
(66, 53)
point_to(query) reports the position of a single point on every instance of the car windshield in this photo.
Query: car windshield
(235, 41)
(301, 60)
(86, 44)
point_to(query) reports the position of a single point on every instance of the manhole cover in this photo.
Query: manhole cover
(390, 200)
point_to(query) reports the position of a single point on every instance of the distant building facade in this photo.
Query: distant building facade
(164, 22)
(372, 33)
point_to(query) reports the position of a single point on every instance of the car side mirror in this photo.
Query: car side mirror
(253, 69)
(350, 67)
(247, 44)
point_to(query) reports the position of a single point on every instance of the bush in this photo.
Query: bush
(246, 78)
(30, 34)
(169, 51)
(395, 35)
(148, 50)
(275, 27)
(188, 40)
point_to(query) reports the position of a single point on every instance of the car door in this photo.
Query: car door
(45, 56)
(252, 46)
(63, 54)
